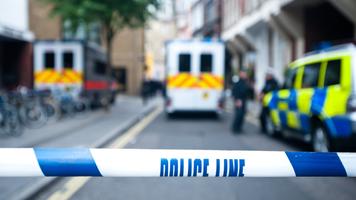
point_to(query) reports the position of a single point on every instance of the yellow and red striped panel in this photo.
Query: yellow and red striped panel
(186, 80)
(50, 76)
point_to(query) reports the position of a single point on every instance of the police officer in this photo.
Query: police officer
(270, 85)
(145, 91)
(240, 93)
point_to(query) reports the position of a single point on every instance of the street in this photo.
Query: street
(151, 99)
(196, 131)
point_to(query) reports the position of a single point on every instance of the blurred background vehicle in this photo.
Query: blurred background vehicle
(195, 76)
(74, 66)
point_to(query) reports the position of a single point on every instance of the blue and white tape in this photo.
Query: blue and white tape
(184, 163)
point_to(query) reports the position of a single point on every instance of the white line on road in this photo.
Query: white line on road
(75, 184)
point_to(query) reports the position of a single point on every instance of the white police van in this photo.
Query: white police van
(194, 75)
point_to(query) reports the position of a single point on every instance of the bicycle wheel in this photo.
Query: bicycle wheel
(33, 115)
(52, 110)
(82, 107)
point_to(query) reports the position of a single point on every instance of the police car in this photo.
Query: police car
(318, 100)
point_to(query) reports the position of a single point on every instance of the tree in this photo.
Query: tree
(111, 15)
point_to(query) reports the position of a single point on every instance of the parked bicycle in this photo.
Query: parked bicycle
(9, 119)
(24, 108)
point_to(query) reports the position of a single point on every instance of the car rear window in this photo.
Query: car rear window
(100, 67)
(206, 62)
(333, 71)
(68, 60)
(311, 75)
(184, 63)
(49, 58)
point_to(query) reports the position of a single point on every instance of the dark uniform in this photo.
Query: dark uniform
(270, 85)
(145, 91)
(239, 93)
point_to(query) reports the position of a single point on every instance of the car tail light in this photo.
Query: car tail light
(351, 103)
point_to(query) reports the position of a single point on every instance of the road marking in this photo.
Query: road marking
(75, 184)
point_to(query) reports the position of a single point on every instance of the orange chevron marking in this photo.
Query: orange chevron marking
(41, 76)
(182, 81)
(185, 80)
(210, 80)
(52, 76)
(48, 76)
(189, 82)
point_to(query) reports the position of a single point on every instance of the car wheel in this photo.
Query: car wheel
(169, 115)
(321, 142)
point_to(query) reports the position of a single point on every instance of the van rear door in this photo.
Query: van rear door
(210, 75)
(180, 77)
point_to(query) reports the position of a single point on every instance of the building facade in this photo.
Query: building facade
(15, 45)
(128, 60)
(183, 18)
(158, 31)
(207, 18)
(266, 35)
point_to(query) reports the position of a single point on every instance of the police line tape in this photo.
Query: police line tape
(19, 162)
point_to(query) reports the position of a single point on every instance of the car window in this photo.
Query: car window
(68, 60)
(332, 75)
(49, 59)
(291, 75)
(184, 62)
(100, 67)
(206, 62)
(311, 75)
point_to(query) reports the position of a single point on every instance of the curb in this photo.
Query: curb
(38, 186)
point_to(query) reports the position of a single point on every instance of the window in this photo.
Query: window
(291, 75)
(206, 62)
(311, 75)
(49, 60)
(184, 62)
(333, 71)
(100, 68)
(68, 60)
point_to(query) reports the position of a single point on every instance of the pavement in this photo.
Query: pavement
(197, 131)
(95, 129)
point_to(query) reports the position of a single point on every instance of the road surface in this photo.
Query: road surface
(200, 132)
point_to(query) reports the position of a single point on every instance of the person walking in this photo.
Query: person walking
(240, 93)
(270, 85)
(145, 91)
